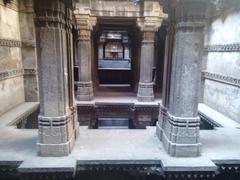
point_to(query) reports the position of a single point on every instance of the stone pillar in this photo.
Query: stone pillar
(57, 117)
(83, 61)
(145, 87)
(166, 79)
(70, 66)
(180, 127)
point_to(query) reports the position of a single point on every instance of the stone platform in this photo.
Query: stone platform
(117, 145)
(119, 98)
(118, 105)
(111, 147)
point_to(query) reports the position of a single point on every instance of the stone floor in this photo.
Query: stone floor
(218, 146)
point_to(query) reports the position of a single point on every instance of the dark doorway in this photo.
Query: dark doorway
(117, 54)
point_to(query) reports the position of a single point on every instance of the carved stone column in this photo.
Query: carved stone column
(57, 126)
(145, 88)
(180, 128)
(84, 85)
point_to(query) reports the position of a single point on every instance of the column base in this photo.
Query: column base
(145, 92)
(75, 121)
(181, 150)
(180, 136)
(84, 91)
(55, 150)
(56, 135)
(51, 149)
(160, 122)
(159, 131)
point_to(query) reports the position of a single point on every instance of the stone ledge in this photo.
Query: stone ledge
(216, 117)
(41, 165)
(16, 114)
(125, 100)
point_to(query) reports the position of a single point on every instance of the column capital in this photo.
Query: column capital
(26, 6)
(49, 14)
(149, 24)
(85, 22)
(193, 11)
(85, 25)
(190, 15)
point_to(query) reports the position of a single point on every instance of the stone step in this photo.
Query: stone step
(16, 114)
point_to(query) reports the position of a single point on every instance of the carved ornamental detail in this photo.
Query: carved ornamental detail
(10, 43)
(223, 48)
(85, 25)
(221, 78)
(52, 17)
(11, 74)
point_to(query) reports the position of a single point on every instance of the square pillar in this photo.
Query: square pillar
(58, 124)
(83, 61)
(148, 28)
(178, 126)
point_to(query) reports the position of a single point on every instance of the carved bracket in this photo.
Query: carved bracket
(149, 23)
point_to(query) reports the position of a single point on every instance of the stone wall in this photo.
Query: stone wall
(17, 54)
(222, 65)
(29, 60)
(11, 73)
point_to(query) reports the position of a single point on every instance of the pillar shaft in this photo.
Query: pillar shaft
(166, 79)
(57, 116)
(70, 66)
(84, 85)
(145, 88)
(180, 126)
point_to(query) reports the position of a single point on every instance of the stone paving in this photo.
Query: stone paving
(218, 145)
